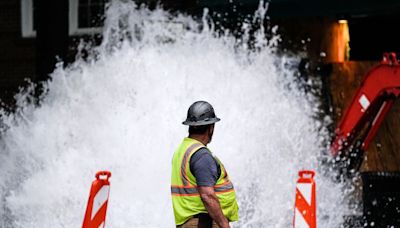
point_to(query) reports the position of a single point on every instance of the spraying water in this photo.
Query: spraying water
(121, 110)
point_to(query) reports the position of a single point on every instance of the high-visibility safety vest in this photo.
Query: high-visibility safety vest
(185, 197)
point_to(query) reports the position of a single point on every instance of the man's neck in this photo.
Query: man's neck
(201, 138)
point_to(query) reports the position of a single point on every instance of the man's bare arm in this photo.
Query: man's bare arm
(212, 205)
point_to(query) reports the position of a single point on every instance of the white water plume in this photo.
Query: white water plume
(121, 110)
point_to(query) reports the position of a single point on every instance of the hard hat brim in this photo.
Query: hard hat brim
(202, 122)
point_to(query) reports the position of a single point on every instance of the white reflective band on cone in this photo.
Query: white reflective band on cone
(305, 190)
(299, 221)
(100, 198)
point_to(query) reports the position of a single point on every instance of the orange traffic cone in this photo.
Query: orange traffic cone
(305, 214)
(96, 210)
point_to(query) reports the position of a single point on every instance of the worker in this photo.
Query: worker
(202, 194)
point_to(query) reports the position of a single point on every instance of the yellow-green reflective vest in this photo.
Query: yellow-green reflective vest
(185, 198)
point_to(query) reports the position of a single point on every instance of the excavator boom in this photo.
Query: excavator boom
(378, 91)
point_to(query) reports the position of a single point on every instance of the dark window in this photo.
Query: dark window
(34, 11)
(90, 13)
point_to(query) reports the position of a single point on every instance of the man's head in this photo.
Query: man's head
(201, 119)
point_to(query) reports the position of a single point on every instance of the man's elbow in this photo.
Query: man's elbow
(206, 193)
(207, 196)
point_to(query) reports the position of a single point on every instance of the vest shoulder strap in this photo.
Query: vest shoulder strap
(185, 162)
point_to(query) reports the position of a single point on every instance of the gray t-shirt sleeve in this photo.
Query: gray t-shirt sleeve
(205, 168)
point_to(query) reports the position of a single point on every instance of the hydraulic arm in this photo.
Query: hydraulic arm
(378, 91)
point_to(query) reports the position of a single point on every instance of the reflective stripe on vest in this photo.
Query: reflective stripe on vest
(189, 151)
(189, 190)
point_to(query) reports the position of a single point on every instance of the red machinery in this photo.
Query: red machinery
(378, 91)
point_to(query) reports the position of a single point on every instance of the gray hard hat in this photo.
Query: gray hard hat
(200, 113)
